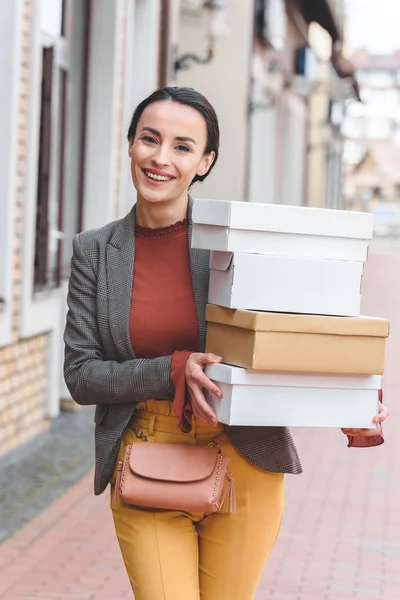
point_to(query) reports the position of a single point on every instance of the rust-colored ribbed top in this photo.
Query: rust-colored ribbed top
(163, 312)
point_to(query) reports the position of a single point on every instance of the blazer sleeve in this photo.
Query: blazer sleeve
(89, 377)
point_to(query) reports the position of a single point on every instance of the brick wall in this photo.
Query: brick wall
(23, 365)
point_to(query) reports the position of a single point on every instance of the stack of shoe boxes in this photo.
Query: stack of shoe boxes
(284, 313)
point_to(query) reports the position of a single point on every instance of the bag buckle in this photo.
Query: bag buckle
(138, 431)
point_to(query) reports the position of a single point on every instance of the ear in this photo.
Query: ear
(130, 146)
(206, 163)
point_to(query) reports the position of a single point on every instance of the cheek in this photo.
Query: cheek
(189, 167)
(138, 155)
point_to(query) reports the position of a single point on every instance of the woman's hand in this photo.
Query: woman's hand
(382, 415)
(196, 380)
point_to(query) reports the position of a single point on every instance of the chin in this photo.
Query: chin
(154, 196)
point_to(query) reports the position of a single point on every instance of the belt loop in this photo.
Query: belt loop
(152, 424)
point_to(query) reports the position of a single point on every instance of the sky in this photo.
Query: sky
(373, 24)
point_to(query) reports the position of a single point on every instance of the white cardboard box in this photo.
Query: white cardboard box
(285, 284)
(293, 399)
(255, 228)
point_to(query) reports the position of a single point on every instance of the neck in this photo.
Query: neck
(161, 214)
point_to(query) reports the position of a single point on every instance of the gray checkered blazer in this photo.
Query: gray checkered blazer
(100, 366)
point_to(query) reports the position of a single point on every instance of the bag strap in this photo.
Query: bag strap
(219, 440)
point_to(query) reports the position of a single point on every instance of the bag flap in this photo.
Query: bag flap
(173, 462)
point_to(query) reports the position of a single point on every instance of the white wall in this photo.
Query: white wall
(141, 75)
(225, 82)
(120, 76)
(262, 163)
(100, 114)
(293, 151)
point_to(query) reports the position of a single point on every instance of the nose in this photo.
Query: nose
(161, 156)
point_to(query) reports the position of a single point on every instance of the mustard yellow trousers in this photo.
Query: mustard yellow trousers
(175, 555)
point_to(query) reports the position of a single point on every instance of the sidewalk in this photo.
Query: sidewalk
(340, 538)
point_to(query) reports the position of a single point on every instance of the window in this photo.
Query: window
(43, 188)
(50, 174)
(61, 139)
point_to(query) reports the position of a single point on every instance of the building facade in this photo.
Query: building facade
(279, 83)
(372, 130)
(71, 72)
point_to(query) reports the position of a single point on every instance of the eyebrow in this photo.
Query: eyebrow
(178, 138)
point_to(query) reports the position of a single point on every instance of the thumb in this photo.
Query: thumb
(209, 358)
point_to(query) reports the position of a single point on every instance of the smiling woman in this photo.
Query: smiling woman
(135, 341)
(173, 142)
(134, 346)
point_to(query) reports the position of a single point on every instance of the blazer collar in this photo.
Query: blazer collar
(125, 231)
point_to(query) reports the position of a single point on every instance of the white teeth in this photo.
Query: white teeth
(158, 177)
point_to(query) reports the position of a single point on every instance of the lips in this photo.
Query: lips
(156, 176)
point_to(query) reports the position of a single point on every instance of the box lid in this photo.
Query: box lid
(268, 321)
(283, 219)
(231, 375)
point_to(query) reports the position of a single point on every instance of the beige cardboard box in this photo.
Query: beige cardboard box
(301, 343)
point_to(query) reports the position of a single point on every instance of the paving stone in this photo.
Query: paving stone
(34, 475)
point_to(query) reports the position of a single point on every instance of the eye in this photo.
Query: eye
(183, 148)
(149, 139)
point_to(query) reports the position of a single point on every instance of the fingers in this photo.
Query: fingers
(196, 378)
(201, 408)
(205, 359)
(382, 415)
(204, 382)
(210, 358)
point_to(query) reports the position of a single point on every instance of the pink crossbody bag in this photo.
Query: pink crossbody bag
(176, 477)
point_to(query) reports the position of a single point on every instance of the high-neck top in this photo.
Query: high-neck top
(162, 232)
(163, 313)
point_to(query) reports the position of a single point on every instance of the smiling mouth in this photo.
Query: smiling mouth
(156, 177)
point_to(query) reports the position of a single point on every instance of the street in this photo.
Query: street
(340, 537)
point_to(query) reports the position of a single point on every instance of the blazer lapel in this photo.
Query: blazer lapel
(199, 267)
(120, 267)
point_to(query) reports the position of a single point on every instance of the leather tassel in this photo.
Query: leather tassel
(118, 479)
(228, 500)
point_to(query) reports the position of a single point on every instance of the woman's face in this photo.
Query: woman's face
(168, 151)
